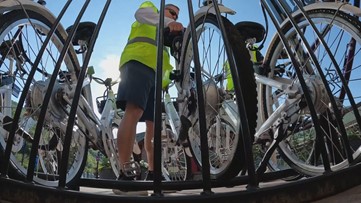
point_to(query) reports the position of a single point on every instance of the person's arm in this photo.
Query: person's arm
(148, 16)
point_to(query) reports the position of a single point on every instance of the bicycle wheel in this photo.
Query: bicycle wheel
(176, 163)
(342, 35)
(226, 150)
(21, 37)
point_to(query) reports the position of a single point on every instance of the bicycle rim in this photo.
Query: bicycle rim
(21, 39)
(176, 163)
(298, 149)
(225, 143)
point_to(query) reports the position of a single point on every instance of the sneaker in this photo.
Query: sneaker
(150, 176)
(123, 177)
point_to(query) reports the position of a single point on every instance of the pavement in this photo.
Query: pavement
(352, 195)
(182, 192)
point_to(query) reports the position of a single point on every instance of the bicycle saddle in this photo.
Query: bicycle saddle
(6, 46)
(15, 50)
(249, 29)
(84, 32)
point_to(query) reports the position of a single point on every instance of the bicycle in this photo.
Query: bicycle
(39, 147)
(175, 165)
(293, 109)
(303, 146)
(278, 83)
(216, 108)
(215, 114)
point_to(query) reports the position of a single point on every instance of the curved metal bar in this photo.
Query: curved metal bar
(207, 189)
(303, 84)
(306, 190)
(319, 69)
(78, 89)
(244, 127)
(338, 70)
(26, 87)
(47, 97)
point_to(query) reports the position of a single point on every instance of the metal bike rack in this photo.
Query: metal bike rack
(20, 190)
(298, 191)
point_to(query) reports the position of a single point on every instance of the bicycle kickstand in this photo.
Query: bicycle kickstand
(279, 135)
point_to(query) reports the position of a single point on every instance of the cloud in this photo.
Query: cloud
(109, 66)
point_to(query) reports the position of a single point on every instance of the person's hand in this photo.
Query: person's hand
(175, 26)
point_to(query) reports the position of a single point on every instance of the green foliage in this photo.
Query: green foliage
(353, 134)
(104, 163)
(91, 165)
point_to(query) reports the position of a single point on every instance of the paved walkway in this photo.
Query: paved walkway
(352, 195)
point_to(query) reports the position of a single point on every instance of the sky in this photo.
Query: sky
(116, 27)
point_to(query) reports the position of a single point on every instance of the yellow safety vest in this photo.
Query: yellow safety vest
(230, 85)
(142, 46)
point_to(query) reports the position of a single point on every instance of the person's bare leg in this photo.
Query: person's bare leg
(126, 132)
(148, 144)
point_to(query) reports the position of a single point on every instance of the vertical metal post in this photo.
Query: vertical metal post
(350, 56)
(78, 88)
(158, 106)
(201, 111)
(244, 127)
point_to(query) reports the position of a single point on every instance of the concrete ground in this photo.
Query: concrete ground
(352, 195)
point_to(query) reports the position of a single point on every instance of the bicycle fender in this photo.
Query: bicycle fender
(203, 11)
(10, 5)
(345, 7)
(16, 5)
(210, 9)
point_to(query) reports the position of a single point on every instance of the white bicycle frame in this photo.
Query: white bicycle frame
(100, 129)
(184, 90)
(286, 85)
(5, 90)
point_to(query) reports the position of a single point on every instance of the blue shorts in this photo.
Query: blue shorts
(137, 85)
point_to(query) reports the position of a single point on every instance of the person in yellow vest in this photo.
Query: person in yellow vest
(256, 58)
(251, 33)
(137, 86)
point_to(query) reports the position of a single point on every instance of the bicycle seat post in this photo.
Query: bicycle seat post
(83, 48)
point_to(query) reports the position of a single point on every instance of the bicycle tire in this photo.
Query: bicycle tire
(227, 156)
(305, 158)
(29, 31)
(176, 163)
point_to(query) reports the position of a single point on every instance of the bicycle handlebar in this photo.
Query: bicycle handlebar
(171, 37)
(107, 82)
